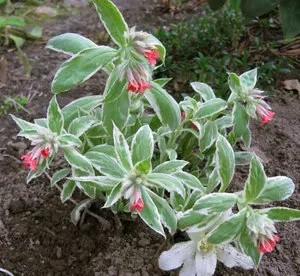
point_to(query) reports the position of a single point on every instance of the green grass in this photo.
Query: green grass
(206, 48)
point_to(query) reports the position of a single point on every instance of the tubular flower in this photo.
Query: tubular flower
(136, 83)
(136, 201)
(152, 56)
(35, 157)
(265, 114)
(268, 245)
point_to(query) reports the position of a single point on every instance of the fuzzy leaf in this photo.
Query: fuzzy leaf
(55, 117)
(150, 213)
(78, 161)
(210, 135)
(278, 214)
(276, 188)
(70, 111)
(142, 145)
(165, 181)
(69, 43)
(59, 175)
(204, 90)
(122, 149)
(114, 196)
(81, 67)
(112, 20)
(228, 230)
(210, 108)
(167, 215)
(165, 107)
(69, 140)
(75, 215)
(225, 162)
(67, 190)
(256, 180)
(81, 125)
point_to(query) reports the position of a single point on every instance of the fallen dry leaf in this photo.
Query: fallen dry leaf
(3, 72)
(292, 85)
(46, 11)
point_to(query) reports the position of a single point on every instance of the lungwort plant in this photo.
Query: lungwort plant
(137, 150)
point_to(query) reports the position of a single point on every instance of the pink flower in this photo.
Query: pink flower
(268, 245)
(152, 56)
(265, 114)
(35, 157)
(45, 152)
(30, 162)
(140, 87)
(137, 205)
(136, 201)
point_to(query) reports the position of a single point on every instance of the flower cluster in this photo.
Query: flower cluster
(35, 157)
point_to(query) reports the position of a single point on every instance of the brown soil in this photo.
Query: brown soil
(36, 234)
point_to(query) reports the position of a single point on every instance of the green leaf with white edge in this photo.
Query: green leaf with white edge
(55, 117)
(150, 213)
(204, 90)
(67, 190)
(228, 230)
(246, 137)
(243, 158)
(251, 108)
(112, 20)
(143, 167)
(165, 107)
(213, 181)
(59, 175)
(152, 40)
(209, 137)
(114, 196)
(224, 122)
(190, 181)
(78, 161)
(279, 214)
(81, 125)
(167, 215)
(69, 43)
(247, 245)
(88, 104)
(191, 218)
(106, 165)
(116, 112)
(42, 122)
(215, 203)
(210, 108)
(256, 180)
(114, 86)
(75, 215)
(225, 161)
(142, 145)
(240, 119)
(176, 201)
(24, 125)
(276, 188)
(249, 79)
(170, 167)
(162, 81)
(167, 182)
(106, 149)
(69, 140)
(101, 183)
(81, 67)
(96, 131)
(235, 84)
(122, 149)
